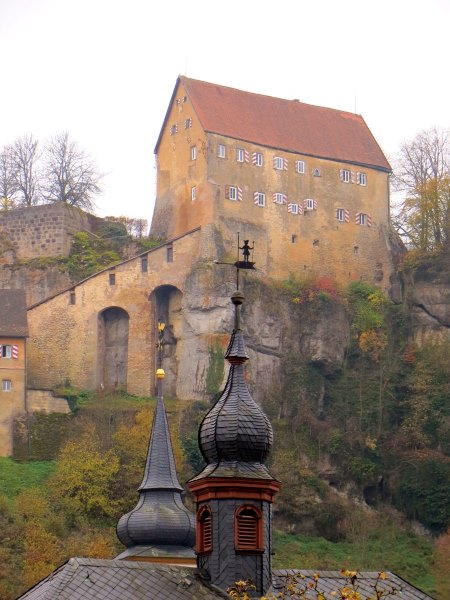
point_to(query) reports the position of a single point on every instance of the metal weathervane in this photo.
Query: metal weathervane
(243, 262)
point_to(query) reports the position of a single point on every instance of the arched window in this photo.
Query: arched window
(248, 534)
(204, 530)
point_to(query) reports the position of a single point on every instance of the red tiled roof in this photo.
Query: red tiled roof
(287, 125)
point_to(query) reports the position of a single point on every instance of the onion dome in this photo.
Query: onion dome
(160, 521)
(235, 436)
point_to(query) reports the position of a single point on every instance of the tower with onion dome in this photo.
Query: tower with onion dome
(235, 490)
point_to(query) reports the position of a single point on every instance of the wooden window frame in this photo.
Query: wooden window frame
(248, 530)
(204, 530)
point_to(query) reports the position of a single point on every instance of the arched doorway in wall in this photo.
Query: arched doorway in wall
(113, 348)
(166, 301)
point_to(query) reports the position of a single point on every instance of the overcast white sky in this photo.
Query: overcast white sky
(104, 70)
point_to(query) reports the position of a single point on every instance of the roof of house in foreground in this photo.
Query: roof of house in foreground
(88, 579)
(288, 125)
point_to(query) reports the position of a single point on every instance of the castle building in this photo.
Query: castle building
(309, 184)
(13, 356)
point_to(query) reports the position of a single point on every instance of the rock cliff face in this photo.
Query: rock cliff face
(38, 283)
(427, 291)
(272, 329)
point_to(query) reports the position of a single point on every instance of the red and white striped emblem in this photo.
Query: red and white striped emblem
(246, 156)
(347, 216)
(239, 194)
(15, 351)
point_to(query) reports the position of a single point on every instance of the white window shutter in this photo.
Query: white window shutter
(255, 197)
(369, 221)
(246, 156)
(341, 174)
(315, 204)
(15, 351)
(239, 194)
(346, 216)
(285, 164)
(352, 176)
(357, 220)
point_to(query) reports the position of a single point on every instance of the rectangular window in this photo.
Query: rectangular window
(300, 166)
(257, 159)
(240, 155)
(278, 163)
(6, 352)
(169, 254)
(193, 152)
(278, 198)
(221, 151)
(144, 264)
(345, 175)
(193, 193)
(188, 123)
(363, 219)
(310, 204)
(340, 214)
(6, 385)
(293, 209)
(112, 279)
(174, 129)
(361, 178)
(259, 199)
(232, 194)
(72, 297)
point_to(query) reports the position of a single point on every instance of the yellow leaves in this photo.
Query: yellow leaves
(372, 342)
(84, 475)
(370, 442)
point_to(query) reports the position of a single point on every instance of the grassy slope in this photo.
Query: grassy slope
(16, 477)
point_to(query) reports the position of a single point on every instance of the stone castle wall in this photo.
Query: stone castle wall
(42, 231)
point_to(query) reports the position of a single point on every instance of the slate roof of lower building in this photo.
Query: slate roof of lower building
(13, 313)
(332, 581)
(89, 579)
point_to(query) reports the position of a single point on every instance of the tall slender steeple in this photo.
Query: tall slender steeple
(160, 528)
(234, 492)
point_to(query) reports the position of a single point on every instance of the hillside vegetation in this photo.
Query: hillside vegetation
(362, 452)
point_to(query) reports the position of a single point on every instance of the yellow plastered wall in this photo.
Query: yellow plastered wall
(64, 336)
(12, 403)
(313, 243)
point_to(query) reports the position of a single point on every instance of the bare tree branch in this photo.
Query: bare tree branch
(70, 176)
(25, 154)
(8, 179)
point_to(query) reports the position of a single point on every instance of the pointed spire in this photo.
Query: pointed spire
(160, 472)
(160, 526)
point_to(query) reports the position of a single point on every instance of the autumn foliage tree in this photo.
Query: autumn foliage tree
(422, 174)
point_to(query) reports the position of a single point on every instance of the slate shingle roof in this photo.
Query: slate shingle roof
(330, 581)
(89, 579)
(13, 313)
(235, 436)
(287, 125)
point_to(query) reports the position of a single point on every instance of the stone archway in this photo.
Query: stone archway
(113, 348)
(167, 300)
